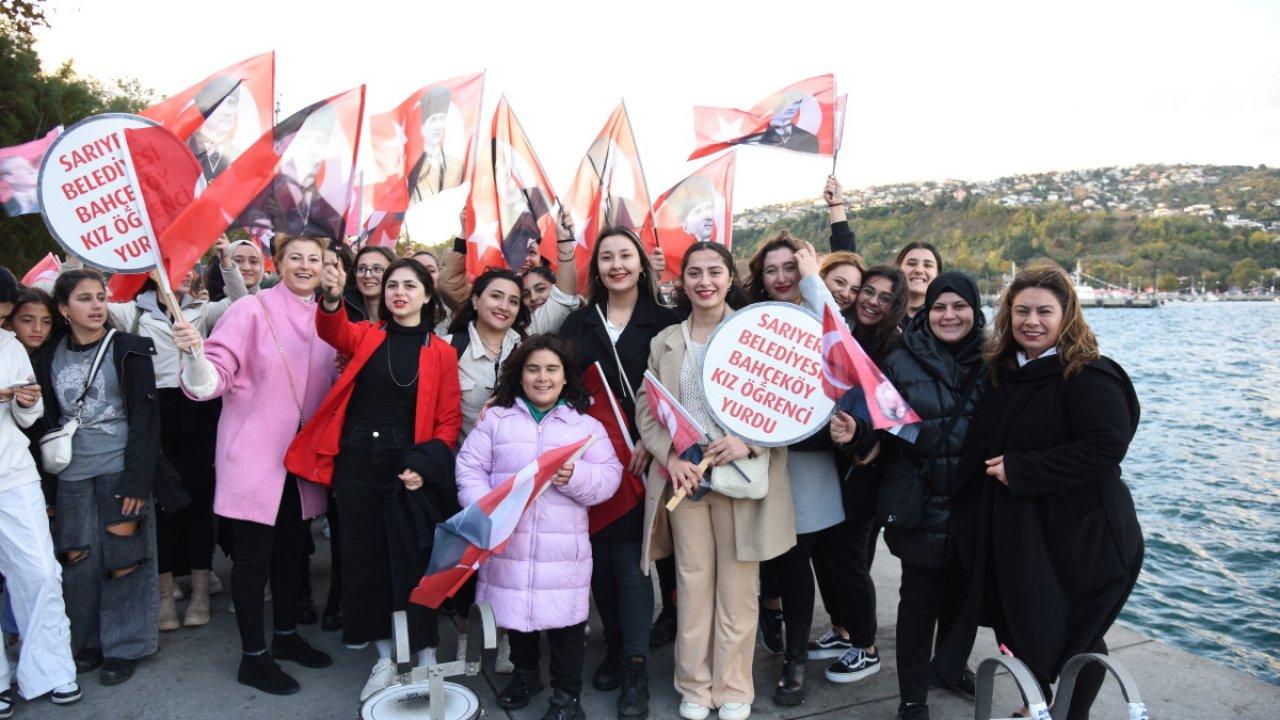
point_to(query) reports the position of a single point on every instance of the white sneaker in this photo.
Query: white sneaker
(694, 711)
(384, 673)
(215, 585)
(502, 663)
(735, 711)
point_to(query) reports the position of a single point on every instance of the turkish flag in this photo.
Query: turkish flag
(20, 174)
(845, 366)
(841, 103)
(698, 208)
(168, 176)
(685, 432)
(44, 272)
(604, 407)
(481, 530)
(799, 117)
(251, 175)
(223, 114)
(609, 190)
(509, 209)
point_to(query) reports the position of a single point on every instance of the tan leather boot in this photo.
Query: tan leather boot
(198, 610)
(168, 609)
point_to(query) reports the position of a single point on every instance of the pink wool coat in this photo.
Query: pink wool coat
(259, 416)
(542, 579)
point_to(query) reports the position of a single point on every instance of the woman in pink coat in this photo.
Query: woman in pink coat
(542, 579)
(271, 370)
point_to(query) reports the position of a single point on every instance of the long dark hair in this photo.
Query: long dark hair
(647, 285)
(467, 313)
(508, 388)
(386, 254)
(734, 298)
(756, 291)
(541, 271)
(36, 296)
(432, 311)
(878, 338)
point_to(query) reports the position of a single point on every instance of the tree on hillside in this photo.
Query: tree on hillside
(31, 104)
(1245, 273)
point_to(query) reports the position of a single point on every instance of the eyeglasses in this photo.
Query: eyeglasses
(371, 271)
(870, 293)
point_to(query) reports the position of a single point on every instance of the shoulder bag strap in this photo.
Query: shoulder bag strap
(94, 368)
(627, 390)
(293, 390)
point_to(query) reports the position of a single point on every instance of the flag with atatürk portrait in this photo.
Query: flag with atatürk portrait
(20, 174)
(510, 209)
(846, 366)
(799, 117)
(311, 189)
(699, 208)
(609, 190)
(251, 189)
(223, 114)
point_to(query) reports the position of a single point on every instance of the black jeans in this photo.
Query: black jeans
(273, 551)
(927, 600)
(568, 652)
(624, 595)
(376, 582)
(842, 564)
(794, 577)
(184, 539)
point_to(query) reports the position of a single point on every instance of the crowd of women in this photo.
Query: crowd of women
(387, 393)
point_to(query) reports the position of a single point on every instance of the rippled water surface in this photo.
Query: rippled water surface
(1205, 474)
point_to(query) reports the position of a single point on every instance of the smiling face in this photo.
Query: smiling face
(368, 270)
(844, 282)
(535, 292)
(497, 305)
(542, 379)
(86, 306)
(874, 300)
(249, 262)
(300, 265)
(921, 268)
(706, 280)
(781, 277)
(618, 262)
(405, 295)
(1036, 321)
(32, 323)
(950, 317)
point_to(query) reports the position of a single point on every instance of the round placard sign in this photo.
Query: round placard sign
(762, 377)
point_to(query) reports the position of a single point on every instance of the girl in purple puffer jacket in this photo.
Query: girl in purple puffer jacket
(542, 579)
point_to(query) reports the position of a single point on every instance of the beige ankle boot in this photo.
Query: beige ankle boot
(168, 610)
(198, 610)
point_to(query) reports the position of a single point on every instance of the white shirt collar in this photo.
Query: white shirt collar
(1022, 356)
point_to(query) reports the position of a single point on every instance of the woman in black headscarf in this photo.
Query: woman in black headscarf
(937, 367)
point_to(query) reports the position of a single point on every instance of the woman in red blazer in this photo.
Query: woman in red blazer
(384, 438)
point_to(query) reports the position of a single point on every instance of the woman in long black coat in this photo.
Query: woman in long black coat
(1053, 546)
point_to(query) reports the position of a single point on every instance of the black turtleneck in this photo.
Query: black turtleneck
(386, 390)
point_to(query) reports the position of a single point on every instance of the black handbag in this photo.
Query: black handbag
(167, 487)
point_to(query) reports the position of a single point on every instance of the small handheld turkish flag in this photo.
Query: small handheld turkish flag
(845, 366)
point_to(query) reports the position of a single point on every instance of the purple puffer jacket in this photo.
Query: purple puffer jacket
(542, 579)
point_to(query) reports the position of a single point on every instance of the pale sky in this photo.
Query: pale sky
(936, 90)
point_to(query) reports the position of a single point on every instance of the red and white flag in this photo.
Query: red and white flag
(252, 176)
(845, 365)
(509, 212)
(465, 541)
(799, 117)
(684, 430)
(43, 273)
(699, 208)
(609, 190)
(20, 174)
(604, 407)
(841, 104)
(223, 114)
(311, 189)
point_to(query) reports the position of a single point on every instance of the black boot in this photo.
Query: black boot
(771, 628)
(261, 672)
(633, 701)
(609, 675)
(524, 684)
(790, 688)
(664, 628)
(293, 648)
(564, 706)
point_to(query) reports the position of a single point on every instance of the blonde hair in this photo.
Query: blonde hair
(1077, 345)
(282, 242)
(831, 261)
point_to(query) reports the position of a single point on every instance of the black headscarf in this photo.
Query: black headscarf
(970, 346)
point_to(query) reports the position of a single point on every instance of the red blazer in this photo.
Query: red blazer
(438, 415)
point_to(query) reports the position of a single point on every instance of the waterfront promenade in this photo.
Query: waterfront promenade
(193, 678)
